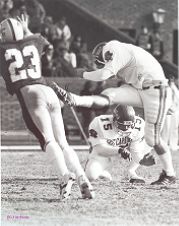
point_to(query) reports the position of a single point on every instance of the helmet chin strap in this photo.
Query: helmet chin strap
(124, 133)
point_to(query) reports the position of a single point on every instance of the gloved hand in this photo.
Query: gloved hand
(125, 153)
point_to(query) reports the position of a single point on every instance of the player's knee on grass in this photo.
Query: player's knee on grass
(93, 170)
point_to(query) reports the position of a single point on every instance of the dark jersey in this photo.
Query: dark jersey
(20, 62)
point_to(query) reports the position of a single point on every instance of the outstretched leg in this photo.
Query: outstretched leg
(124, 94)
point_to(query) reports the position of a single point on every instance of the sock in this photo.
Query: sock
(132, 168)
(83, 101)
(56, 158)
(166, 160)
(95, 101)
(73, 160)
(165, 156)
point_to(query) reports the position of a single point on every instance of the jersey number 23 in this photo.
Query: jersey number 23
(17, 68)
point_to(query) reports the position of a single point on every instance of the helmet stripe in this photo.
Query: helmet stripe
(12, 29)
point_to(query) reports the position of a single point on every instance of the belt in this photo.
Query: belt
(154, 87)
(155, 84)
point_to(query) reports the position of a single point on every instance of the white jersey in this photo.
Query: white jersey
(129, 63)
(101, 128)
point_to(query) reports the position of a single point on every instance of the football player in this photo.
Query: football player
(121, 133)
(144, 86)
(20, 66)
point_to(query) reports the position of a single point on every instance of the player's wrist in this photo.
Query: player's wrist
(125, 153)
(120, 150)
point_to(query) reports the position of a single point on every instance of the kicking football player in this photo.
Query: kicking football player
(144, 86)
(20, 66)
(121, 133)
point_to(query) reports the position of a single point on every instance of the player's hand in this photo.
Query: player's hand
(24, 20)
(148, 160)
(125, 153)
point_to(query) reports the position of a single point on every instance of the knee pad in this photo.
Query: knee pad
(91, 174)
(93, 169)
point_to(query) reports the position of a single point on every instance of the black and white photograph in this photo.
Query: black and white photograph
(89, 112)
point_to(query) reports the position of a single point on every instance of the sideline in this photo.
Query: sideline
(36, 147)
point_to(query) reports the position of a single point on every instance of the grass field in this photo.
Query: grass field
(30, 196)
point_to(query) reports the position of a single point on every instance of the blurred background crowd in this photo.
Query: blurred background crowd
(68, 50)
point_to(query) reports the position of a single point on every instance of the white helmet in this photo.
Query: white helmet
(11, 30)
(98, 53)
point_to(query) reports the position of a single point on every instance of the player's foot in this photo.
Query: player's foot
(66, 185)
(63, 94)
(164, 179)
(134, 178)
(137, 181)
(86, 188)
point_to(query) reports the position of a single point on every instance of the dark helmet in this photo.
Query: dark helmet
(124, 119)
(98, 53)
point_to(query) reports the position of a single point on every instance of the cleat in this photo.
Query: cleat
(164, 179)
(86, 188)
(66, 185)
(136, 181)
(65, 96)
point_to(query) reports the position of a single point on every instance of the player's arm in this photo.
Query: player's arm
(47, 45)
(98, 141)
(117, 57)
(103, 146)
(98, 75)
(24, 20)
(107, 150)
(104, 149)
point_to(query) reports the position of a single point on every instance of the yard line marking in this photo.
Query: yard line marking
(37, 147)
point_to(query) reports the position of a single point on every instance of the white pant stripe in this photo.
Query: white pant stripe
(162, 106)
